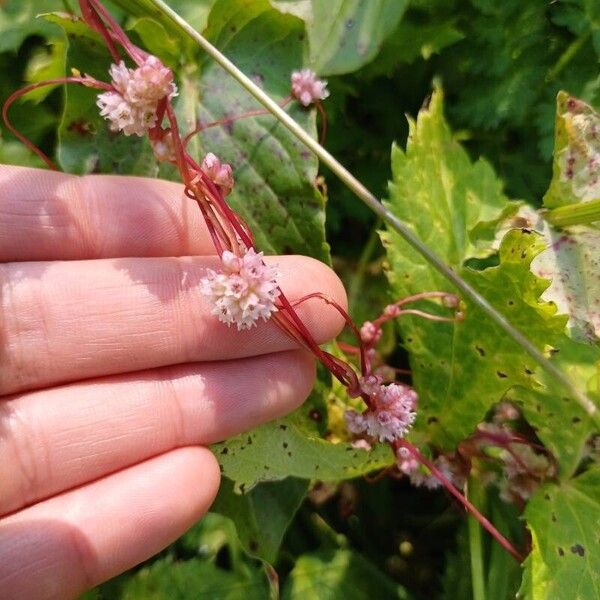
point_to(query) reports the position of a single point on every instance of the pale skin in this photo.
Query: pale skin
(114, 376)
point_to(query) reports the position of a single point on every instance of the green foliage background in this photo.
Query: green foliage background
(466, 160)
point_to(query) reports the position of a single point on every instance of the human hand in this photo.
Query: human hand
(114, 375)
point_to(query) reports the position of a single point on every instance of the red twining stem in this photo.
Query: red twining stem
(87, 81)
(485, 523)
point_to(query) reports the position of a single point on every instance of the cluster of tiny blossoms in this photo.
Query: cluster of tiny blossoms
(391, 412)
(308, 88)
(244, 291)
(132, 105)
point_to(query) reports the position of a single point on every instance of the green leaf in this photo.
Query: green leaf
(564, 521)
(470, 365)
(285, 448)
(339, 575)
(262, 515)
(274, 172)
(18, 21)
(354, 36)
(166, 579)
(344, 35)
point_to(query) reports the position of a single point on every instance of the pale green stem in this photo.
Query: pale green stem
(574, 214)
(358, 277)
(476, 496)
(379, 209)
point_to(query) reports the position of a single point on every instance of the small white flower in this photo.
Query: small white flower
(392, 412)
(307, 87)
(244, 292)
(219, 173)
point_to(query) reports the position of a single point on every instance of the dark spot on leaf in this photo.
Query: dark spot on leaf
(243, 488)
(528, 371)
(561, 552)
(221, 467)
(523, 254)
(283, 427)
(480, 350)
(578, 549)
(511, 303)
(432, 420)
(225, 451)
(315, 415)
(266, 467)
(290, 454)
(80, 127)
(501, 374)
(575, 420)
(249, 440)
(253, 545)
(546, 496)
(285, 444)
(553, 517)
(349, 23)
(317, 467)
(526, 231)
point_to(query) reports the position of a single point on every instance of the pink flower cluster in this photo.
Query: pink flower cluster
(420, 477)
(131, 106)
(219, 173)
(307, 87)
(391, 414)
(245, 291)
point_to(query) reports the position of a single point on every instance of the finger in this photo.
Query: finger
(59, 548)
(56, 439)
(45, 215)
(68, 321)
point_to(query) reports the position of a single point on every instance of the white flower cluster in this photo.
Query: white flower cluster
(245, 291)
(131, 106)
(307, 87)
(392, 412)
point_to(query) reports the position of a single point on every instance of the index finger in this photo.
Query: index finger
(46, 215)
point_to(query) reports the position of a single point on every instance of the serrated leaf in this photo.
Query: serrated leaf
(339, 575)
(262, 515)
(565, 560)
(460, 370)
(166, 579)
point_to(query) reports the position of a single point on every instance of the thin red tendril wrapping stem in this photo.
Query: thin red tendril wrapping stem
(137, 54)
(484, 522)
(95, 22)
(364, 363)
(87, 81)
(228, 120)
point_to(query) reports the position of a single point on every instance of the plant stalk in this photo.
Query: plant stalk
(379, 209)
(476, 543)
(574, 214)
